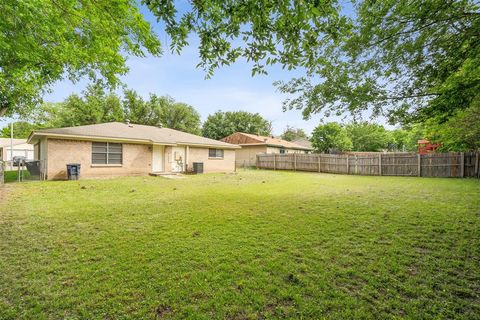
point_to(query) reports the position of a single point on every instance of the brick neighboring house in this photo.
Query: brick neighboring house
(123, 149)
(253, 144)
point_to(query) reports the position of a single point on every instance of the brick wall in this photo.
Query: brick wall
(137, 159)
(227, 164)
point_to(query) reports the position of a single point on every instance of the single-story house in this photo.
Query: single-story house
(20, 149)
(253, 144)
(123, 149)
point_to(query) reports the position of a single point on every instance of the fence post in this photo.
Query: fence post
(274, 161)
(319, 163)
(348, 164)
(380, 164)
(419, 165)
(462, 164)
(476, 164)
(356, 168)
(294, 162)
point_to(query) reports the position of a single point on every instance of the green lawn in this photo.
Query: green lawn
(12, 175)
(258, 244)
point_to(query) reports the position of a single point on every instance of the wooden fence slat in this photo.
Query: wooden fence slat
(419, 165)
(386, 164)
(462, 165)
(380, 164)
(476, 164)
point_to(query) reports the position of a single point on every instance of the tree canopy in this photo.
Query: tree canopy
(161, 111)
(97, 105)
(330, 137)
(407, 60)
(45, 41)
(367, 136)
(221, 124)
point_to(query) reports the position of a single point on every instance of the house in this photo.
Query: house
(304, 142)
(123, 149)
(20, 149)
(253, 144)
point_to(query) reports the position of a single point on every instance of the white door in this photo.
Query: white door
(178, 159)
(157, 158)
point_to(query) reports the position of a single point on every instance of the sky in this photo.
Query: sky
(231, 88)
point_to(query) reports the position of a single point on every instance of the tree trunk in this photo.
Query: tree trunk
(3, 111)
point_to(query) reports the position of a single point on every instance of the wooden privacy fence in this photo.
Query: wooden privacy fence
(456, 165)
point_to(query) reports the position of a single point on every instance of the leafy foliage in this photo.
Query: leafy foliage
(461, 132)
(96, 105)
(264, 32)
(402, 59)
(331, 137)
(45, 41)
(161, 111)
(21, 130)
(221, 124)
(292, 133)
(367, 136)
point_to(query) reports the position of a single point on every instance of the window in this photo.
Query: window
(282, 151)
(106, 153)
(215, 153)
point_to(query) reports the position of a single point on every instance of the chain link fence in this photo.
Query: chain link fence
(23, 170)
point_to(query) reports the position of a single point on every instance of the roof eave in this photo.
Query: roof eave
(33, 135)
(275, 145)
(231, 146)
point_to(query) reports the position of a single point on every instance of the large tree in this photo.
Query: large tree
(96, 104)
(161, 111)
(407, 60)
(330, 137)
(43, 41)
(368, 136)
(461, 132)
(221, 124)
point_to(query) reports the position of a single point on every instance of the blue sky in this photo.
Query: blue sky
(231, 88)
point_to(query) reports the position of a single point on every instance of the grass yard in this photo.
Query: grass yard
(258, 244)
(12, 176)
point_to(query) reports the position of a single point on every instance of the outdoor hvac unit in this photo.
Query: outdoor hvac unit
(198, 167)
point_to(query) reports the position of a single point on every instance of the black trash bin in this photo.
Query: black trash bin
(73, 171)
(198, 167)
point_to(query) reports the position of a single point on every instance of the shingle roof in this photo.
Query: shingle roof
(142, 133)
(303, 142)
(245, 139)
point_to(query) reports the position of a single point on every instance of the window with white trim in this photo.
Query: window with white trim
(215, 153)
(106, 153)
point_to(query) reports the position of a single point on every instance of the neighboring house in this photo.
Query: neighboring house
(122, 149)
(252, 145)
(304, 142)
(20, 149)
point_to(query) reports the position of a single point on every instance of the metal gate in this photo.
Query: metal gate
(23, 170)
